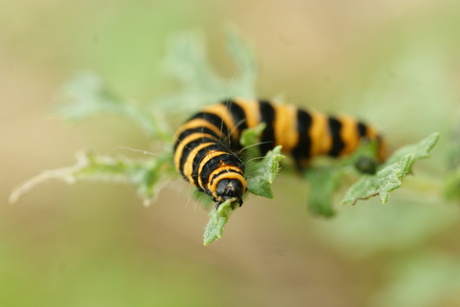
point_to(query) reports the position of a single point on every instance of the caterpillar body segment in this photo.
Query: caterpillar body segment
(206, 146)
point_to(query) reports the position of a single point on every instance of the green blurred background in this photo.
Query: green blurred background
(394, 63)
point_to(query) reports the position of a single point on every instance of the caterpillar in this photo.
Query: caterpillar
(206, 147)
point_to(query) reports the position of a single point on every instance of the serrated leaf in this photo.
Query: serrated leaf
(188, 62)
(260, 174)
(421, 150)
(324, 181)
(390, 178)
(392, 175)
(218, 219)
(87, 95)
(250, 139)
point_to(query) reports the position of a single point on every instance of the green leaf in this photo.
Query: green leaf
(147, 176)
(187, 62)
(323, 183)
(260, 171)
(261, 174)
(324, 180)
(87, 95)
(250, 139)
(392, 174)
(218, 219)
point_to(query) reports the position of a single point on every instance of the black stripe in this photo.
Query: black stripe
(337, 143)
(362, 130)
(238, 115)
(188, 132)
(239, 120)
(216, 162)
(225, 171)
(214, 120)
(267, 115)
(302, 150)
(189, 147)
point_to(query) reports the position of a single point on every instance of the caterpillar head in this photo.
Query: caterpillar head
(227, 189)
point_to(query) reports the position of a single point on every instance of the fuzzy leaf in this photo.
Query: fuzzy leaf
(218, 219)
(87, 95)
(261, 174)
(325, 180)
(392, 174)
(250, 139)
(323, 183)
(188, 62)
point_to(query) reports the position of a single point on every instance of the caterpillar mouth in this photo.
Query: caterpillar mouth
(228, 189)
(238, 202)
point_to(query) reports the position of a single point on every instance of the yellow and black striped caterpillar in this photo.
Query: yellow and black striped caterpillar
(206, 146)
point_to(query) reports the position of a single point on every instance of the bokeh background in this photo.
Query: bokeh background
(392, 62)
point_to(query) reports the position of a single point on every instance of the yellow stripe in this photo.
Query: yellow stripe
(188, 166)
(209, 156)
(321, 140)
(221, 111)
(285, 126)
(181, 146)
(222, 168)
(348, 134)
(251, 110)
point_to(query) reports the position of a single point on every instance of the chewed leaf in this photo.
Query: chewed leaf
(390, 178)
(145, 175)
(392, 175)
(421, 150)
(261, 173)
(218, 219)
